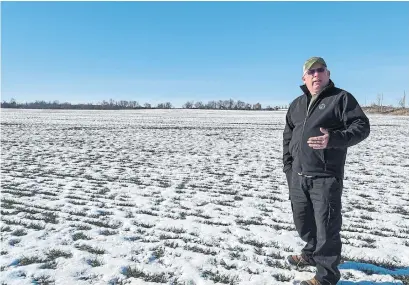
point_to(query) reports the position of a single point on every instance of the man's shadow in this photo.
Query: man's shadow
(398, 273)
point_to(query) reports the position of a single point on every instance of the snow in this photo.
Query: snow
(184, 197)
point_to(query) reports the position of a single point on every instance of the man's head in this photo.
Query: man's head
(315, 74)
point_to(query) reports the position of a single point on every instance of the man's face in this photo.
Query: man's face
(316, 78)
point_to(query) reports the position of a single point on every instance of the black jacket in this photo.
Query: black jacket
(335, 110)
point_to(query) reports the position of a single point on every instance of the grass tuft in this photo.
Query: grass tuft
(6, 229)
(56, 253)
(148, 277)
(19, 232)
(104, 224)
(80, 235)
(90, 249)
(94, 262)
(107, 232)
(43, 280)
(143, 225)
(252, 242)
(30, 260)
(218, 277)
(196, 248)
(176, 230)
(83, 227)
(282, 277)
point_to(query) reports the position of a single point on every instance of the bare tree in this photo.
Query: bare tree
(226, 104)
(134, 104)
(13, 102)
(402, 102)
(188, 105)
(380, 99)
(166, 105)
(211, 105)
(240, 105)
(123, 103)
(199, 105)
(231, 104)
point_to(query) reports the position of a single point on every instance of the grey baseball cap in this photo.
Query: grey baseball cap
(311, 61)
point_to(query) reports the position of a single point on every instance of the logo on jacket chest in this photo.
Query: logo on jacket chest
(321, 106)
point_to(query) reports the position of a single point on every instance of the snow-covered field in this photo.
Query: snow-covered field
(184, 197)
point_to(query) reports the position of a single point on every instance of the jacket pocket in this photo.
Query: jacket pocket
(335, 160)
(293, 148)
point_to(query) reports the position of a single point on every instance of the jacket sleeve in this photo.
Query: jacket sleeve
(356, 124)
(287, 135)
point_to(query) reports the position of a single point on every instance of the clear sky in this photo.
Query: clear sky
(178, 51)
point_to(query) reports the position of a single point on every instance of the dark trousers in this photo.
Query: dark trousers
(316, 206)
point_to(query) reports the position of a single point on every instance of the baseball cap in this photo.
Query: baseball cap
(311, 61)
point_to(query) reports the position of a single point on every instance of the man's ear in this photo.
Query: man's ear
(303, 78)
(329, 73)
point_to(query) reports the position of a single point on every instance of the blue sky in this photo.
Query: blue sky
(178, 51)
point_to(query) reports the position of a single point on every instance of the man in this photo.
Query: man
(320, 125)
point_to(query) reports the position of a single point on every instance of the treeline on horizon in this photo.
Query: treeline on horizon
(123, 105)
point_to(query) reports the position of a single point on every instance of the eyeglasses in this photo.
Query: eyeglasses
(312, 71)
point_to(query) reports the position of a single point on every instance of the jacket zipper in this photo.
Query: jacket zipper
(307, 112)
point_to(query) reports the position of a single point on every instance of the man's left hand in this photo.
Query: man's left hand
(320, 142)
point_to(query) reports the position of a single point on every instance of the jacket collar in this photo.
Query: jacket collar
(329, 86)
